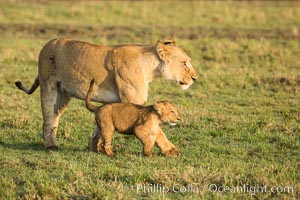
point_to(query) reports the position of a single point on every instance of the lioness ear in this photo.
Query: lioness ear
(158, 108)
(169, 41)
(162, 51)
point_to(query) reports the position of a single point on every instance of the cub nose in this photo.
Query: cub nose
(178, 118)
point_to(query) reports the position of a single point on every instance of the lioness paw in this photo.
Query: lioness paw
(52, 148)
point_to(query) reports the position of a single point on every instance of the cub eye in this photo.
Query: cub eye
(172, 111)
(185, 64)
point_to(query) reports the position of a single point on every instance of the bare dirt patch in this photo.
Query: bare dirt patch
(117, 32)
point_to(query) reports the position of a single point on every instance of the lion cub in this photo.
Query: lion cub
(129, 118)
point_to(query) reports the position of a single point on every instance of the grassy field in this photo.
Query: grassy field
(239, 133)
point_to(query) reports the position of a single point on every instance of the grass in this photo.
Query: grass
(240, 121)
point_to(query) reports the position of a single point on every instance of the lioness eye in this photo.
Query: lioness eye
(184, 63)
(172, 111)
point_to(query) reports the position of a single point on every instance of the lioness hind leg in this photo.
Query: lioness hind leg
(49, 100)
(96, 141)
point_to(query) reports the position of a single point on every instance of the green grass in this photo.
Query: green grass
(240, 121)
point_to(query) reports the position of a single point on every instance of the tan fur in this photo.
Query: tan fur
(130, 118)
(122, 73)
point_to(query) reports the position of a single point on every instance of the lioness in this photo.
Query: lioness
(131, 118)
(122, 73)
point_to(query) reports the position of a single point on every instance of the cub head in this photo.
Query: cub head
(177, 65)
(167, 112)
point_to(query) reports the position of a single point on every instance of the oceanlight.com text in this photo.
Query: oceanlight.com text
(213, 188)
(250, 189)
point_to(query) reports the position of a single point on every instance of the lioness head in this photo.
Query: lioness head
(167, 112)
(176, 64)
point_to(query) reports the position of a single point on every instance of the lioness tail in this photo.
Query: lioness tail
(33, 87)
(88, 102)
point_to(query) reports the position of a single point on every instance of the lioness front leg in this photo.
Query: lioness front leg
(131, 89)
(60, 107)
(49, 100)
(165, 146)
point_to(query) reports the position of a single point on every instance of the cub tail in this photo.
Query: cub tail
(88, 102)
(33, 87)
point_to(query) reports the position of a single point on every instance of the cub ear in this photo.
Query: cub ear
(158, 107)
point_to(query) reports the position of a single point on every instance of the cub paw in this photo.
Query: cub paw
(172, 153)
(148, 154)
(111, 154)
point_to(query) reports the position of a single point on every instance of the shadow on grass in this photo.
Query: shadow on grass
(35, 146)
(29, 146)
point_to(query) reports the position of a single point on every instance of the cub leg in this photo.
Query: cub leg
(107, 143)
(107, 129)
(148, 146)
(147, 139)
(165, 146)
